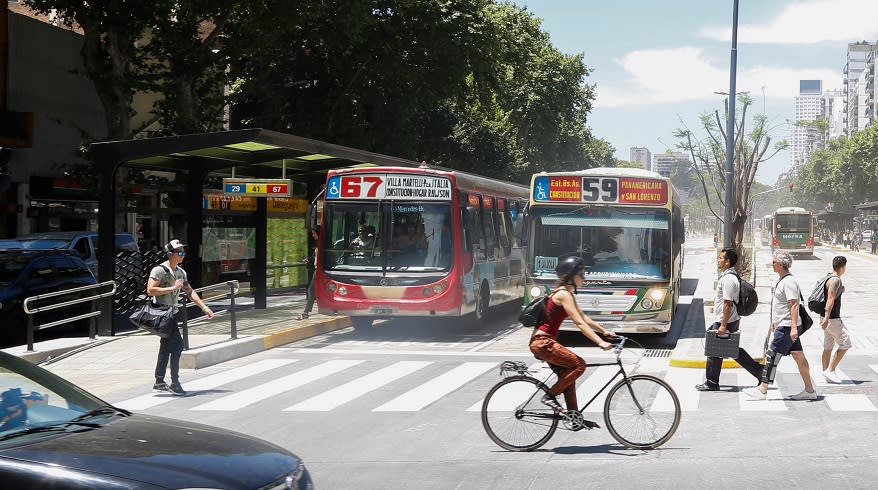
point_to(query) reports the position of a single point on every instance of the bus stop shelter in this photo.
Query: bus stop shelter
(252, 153)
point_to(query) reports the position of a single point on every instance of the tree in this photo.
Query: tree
(709, 156)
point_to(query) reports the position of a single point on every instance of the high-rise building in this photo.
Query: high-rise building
(809, 106)
(833, 111)
(641, 155)
(666, 163)
(855, 86)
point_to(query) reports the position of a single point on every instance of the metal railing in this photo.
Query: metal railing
(233, 288)
(30, 312)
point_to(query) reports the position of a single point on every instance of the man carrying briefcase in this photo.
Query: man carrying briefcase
(726, 321)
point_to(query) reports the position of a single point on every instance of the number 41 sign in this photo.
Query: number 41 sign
(257, 187)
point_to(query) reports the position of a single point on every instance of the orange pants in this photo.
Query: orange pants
(567, 365)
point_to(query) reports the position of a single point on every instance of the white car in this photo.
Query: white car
(867, 235)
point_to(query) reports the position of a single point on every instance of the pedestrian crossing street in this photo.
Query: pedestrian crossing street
(307, 383)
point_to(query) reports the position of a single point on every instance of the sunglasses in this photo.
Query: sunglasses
(181, 253)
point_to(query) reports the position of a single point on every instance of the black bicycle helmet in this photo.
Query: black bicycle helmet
(568, 267)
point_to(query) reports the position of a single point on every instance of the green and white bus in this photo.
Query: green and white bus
(627, 225)
(792, 231)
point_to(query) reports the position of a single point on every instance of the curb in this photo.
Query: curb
(209, 355)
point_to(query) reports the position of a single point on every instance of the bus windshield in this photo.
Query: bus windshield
(631, 243)
(792, 222)
(415, 237)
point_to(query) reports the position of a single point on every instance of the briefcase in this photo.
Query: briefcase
(716, 346)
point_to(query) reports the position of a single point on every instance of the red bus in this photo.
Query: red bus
(418, 242)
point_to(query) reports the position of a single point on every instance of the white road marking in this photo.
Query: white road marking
(207, 383)
(683, 381)
(358, 387)
(272, 388)
(849, 403)
(432, 390)
(593, 383)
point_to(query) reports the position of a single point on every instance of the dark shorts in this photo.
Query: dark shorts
(781, 342)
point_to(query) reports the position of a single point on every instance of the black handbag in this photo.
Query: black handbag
(155, 318)
(725, 346)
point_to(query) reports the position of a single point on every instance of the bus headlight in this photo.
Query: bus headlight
(536, 291)
(427, 291)
(654, 298)
(342, 291)
(332, 287)
(438, 288)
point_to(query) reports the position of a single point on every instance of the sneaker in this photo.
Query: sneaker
(161, 387)
(707, 386)
(176, 389)
(550, 401)
(805, 395)
(831, 377)
(754, 393)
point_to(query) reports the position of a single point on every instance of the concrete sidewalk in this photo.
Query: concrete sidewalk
(209, 341)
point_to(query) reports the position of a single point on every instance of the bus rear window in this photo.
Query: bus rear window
(792, 221)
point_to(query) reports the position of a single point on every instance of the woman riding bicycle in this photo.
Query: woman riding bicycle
(562, 304)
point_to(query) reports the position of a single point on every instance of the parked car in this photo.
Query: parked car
(57, 435)
(10, 244)
(83, 243)
(26, 273)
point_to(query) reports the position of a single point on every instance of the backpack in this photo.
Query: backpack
(748, 300)
(817, 298)
(532, 314)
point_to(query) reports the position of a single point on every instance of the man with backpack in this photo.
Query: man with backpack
(835, 333)
(726, 320)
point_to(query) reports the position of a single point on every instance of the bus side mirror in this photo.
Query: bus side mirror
(311, 217)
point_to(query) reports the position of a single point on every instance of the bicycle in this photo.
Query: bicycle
(641, 411)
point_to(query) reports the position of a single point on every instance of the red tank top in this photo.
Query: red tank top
(552, 325)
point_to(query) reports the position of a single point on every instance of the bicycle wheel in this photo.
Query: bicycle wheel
(515, 418)
(642, 413)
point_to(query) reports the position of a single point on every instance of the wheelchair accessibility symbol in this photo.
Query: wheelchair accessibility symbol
(541, 189)
(333, 189)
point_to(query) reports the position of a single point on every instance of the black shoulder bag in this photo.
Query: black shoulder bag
(155, 318)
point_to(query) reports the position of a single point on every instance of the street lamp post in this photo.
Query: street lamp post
(730, 133)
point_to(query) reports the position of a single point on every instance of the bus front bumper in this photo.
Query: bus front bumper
(625, 326)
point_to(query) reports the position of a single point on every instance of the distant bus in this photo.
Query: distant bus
(627, 226)
(767, 227)
(418, 242)
(793, 231)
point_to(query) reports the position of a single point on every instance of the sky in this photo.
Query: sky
(657, 63)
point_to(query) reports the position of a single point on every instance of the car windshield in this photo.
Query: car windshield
(34, 400)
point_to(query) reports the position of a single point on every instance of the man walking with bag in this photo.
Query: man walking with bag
(165, 282)
(726, 320)
(785, 328)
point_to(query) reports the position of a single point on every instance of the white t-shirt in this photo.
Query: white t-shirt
(786, 289)
(727, 287)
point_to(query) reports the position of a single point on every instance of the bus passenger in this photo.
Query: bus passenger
(566, 364)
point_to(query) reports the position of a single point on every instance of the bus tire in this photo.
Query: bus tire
(361, 322)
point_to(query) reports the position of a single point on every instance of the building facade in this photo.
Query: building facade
(666, 163)
(641, 155)
(857, 81)
(805, 138)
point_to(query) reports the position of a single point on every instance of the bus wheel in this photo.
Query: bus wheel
(484, 303)
(361, 322)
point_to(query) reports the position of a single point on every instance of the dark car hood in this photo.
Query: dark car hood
(164, 452)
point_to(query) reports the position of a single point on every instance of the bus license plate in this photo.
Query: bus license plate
(378, 310)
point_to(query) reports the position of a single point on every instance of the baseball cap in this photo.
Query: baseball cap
(174, 245)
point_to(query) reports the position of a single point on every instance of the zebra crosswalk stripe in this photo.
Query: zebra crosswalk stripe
(358, 387)
(207, 383)
(432, 390)
(772, 403)
(280, 385)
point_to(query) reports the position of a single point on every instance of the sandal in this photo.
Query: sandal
(303, 316)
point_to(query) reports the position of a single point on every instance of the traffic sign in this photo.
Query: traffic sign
(257, 187)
